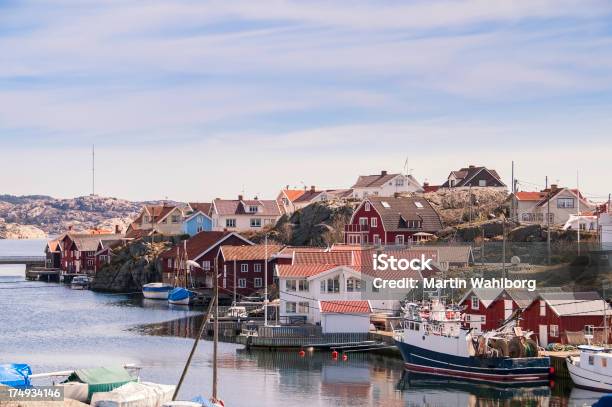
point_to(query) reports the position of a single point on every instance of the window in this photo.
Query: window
(290, 308)
(333, 285)
(199, 229)
(399, 182)
(565, 202)
(554, 331)
(591, 359)
(242, 283)
(482, 183)
(252, 208)
(376, 239)
(244, 268)
(206, 264)
(375, 289)
(475, 302)
(169, 262)
(199, 219)
(542, 308)
(363, 221)
(418, 204)
(367, 207)
(230, 223)
(285, 201)
(399, 239)
(322, 288)
(451, 183)
(90, 262)
(257, 268)
(303, 285)
(257, 282)
(290, 285)
(176, 218)
(303, 307)
(588, 330)
(373, 222)
(255, 222)
(385, 204)
(353, 285)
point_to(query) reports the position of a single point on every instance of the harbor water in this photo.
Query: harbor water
(52, 327)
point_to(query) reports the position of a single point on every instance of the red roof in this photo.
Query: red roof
(318, 257)
(431, 188)
(303, 270)
(250, 252)
(197, 244)
(345, 307)
(529, 196)
(293, 194)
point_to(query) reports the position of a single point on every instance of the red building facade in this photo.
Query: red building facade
(243, 268)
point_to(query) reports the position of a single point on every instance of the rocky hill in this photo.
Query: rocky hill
(54, 216)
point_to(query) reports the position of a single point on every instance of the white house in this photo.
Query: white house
(290, 200)
(242, 215)
(345, 316)
(532, 207)
(384, 184)
(162, 219)
(605, 224)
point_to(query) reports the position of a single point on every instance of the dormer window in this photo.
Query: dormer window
(399, 182)
(252, 208)
(418, 204)
(367, 207)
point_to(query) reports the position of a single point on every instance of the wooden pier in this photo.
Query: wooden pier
(43, 274)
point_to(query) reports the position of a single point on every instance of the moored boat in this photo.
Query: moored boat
(156, 291)
(180, 296)
(79, 283)
(592, 369)
(438, 345)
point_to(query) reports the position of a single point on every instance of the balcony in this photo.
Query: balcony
(351, 228)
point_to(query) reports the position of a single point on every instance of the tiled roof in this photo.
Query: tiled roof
(529, 196)
(395, 212)
(308, 196)
(248, 252)
(377, 180)
(235, 207)
(345, 307)
(431, 188)
(485, 295)
(138, 233)
(293, 194)
(576, 303)
(203, 207)
(302, 270)
(318, 257)
(454, 254)
(197, 244)
(53, 245)
(464, 175)
(339, 193)
(88, 242)
(522, 297)
(158, 212)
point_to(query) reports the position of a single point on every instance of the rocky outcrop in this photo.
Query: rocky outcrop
(457, 205)
(55, 216)
(131, 267)
(15, 231)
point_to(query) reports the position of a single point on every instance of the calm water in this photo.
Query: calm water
(52, 327)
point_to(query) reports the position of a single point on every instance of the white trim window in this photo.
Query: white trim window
(242, 283)
(565, 202)
(363, 221)
(554, 331)
(376, 239)
(257, 282)
(303, 307)
(399, 239)
(475, 302)
(367, 207)
(230, 223)
(303, 285)
(255, 222)
(206, 264)
(244, 268)
(374, 222)
(257, 268)
(290, 307)
(482, 182)
(542, 308)
(290, 285)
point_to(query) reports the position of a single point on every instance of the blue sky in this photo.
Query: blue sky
(193, 100)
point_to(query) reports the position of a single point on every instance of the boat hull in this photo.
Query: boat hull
(156, 292)
(589, 380)
(528, 370)
(180, 296)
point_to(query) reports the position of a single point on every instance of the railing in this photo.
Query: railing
(303, 331)
(356, 228)
(23, 259)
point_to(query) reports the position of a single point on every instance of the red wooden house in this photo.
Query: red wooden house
(391, 221)
(553, 314)
(79, 249)
(243, 268)
(202, 248)
(105, 251)
(487, 308)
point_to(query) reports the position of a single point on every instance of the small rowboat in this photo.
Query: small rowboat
(180, 296)
(156, 291)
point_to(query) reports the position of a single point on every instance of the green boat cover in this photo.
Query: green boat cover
(101, 379)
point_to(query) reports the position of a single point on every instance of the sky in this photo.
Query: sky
(193, 100)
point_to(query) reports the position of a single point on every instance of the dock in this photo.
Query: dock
(557, 360)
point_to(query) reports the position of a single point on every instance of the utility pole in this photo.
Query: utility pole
(547, 220)
(216, 328)
(266, 281)
(470, 199)
(235, 282)
(513, 193)
(504, 247)
(578, 196)
(93, 169)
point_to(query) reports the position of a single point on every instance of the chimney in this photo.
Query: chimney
(554, 187)
(117, 230)
(425, 184)
(255, 198)
(383, 173)
(69, 228)
(240, 197)
(312, 188)
(287, 186)
(471, 166)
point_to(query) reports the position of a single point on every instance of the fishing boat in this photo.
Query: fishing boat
(79, 283)
(434, 342)
(156, 291)
(180, 296)
(592, 369)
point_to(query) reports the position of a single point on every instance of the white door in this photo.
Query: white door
(507, 308)
(543, 335)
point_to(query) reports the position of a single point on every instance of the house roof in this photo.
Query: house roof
(133, 233)
(203, 207)
(88, 242)
(546, 197)
(308, 196)
(267, 207)
(159, 212)
(320, 257)
(529, 196)
(522, 297)
(345, 307)
(431, 188)
(377, 180)
(249, 252)
(455, 254)
(465, 175)
(293, 194)
(302, 270)
(575, 303)
(340, 193)
(485, 295)
(199, 243)
(397, 211)
(53, 245)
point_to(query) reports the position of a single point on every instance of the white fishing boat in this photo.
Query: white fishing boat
(80, 283)
(592, 369)
(156, 291)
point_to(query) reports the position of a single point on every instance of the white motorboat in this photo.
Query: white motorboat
(80, 283)
(156, 291)
(591, 370)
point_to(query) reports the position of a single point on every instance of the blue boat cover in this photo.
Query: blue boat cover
(179, 293)
(605, 401)
(15, 375)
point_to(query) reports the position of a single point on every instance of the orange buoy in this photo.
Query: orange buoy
(302, 353)
(345, 357)
(334, 355)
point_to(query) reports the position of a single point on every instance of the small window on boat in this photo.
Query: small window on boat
(604, 362)
(591, 360)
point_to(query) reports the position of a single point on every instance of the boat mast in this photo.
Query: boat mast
(216, 331)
